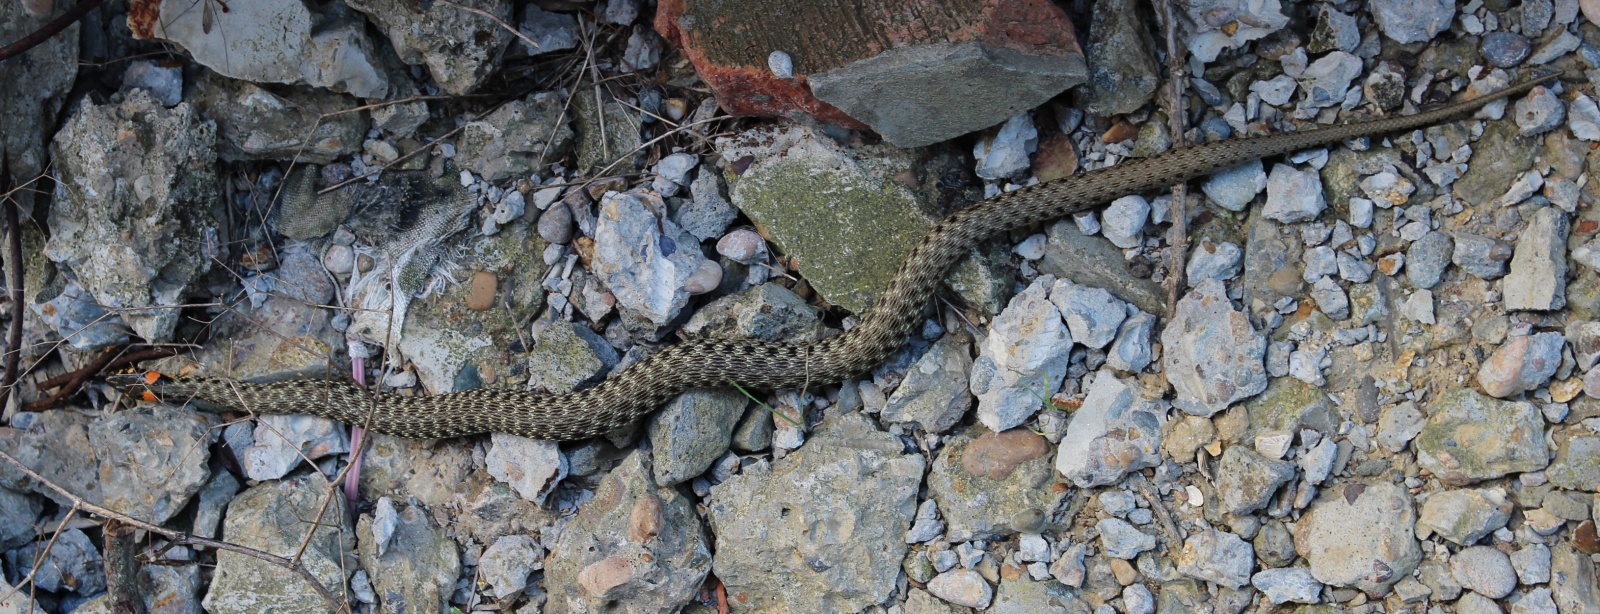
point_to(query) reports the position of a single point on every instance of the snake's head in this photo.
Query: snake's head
(147, 386)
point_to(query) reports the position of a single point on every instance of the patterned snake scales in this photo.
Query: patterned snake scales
(641, 388)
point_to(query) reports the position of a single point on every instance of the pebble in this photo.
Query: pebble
(1217, 556)
(1031, 248)
(1326, 81)
(1563, 44)
(1123, 221)
(1427, 258)
(1473, 603)
(1005, 154)
(743, 245)
(480, 294)
(1505, 49)
(1583, 118)
(1293, 195)
(1234, 188)
(962, 587)
(1532, 563)
(705, 279)
(1538, 112)
(1467, 515)
(506, 564)
(1021, 359)
(1481, 256)
(1275, 91)
(1092, 314)
(1521, 364)
(1388, 189)
(531, 467)
(1137, 599)
(1538, 279)
(672, 173)
(1131, 351)
(1246, 480)
(1112, 433)
(1398, 425)
(1220, 261)
(927, 525)
(555, 224)
(1354, 269)
(1484, 570)
(1407, 21)
(1382, 513)
(1288, 585)
(781, 65)
(1121, 540)
(1536, 601)
(1330, 298)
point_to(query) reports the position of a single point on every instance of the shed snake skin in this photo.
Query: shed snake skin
(639, 389)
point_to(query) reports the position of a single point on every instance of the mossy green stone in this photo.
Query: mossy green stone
(847, 229)
(1498, 157)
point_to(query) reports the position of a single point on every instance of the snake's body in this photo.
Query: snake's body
(637, 390)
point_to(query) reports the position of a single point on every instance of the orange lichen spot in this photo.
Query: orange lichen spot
(151, 377)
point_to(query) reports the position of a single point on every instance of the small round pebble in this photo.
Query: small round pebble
(742, 245)
(1484, 570)
(1504, 49)
(480, 297)
(781, 65)
(555, 225)
(339, 259)
(706, 279)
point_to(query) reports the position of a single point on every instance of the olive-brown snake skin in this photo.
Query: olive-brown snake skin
(639, 389)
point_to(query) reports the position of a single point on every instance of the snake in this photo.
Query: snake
(638, 389)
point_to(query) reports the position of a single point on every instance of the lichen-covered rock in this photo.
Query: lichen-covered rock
(822, 529)
(275, 517)
(634, 547)
(256, 124)
(1214, 357)
(1360, 536)
(517, 139)
(1465, 516)
(842, 213)
(415, 568)
(1113, 433)
(934, 394)
(460, 48)
(690, 431)
(1471, 437)
(645, 261)
(134, 216)
(986, 482)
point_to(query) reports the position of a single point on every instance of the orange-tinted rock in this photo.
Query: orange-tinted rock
(995, 455)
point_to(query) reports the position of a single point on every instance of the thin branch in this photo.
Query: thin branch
(14, 258)
(491, 17)
(50, 29)
(73, 381)
(1178, 235)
